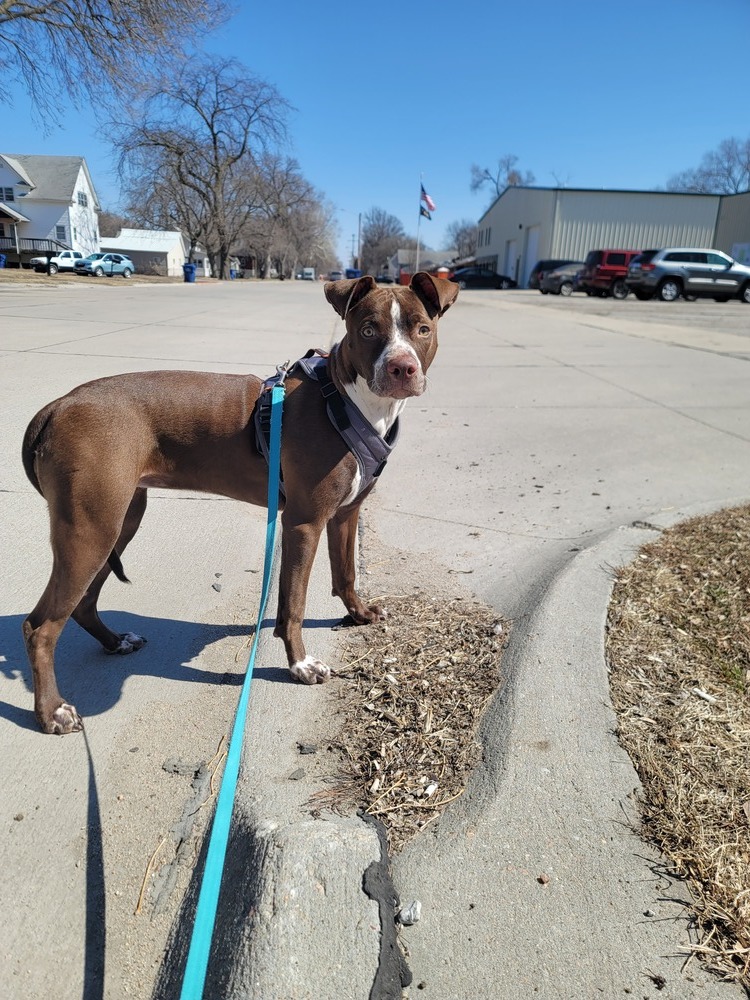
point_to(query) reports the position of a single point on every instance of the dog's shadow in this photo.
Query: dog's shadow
(93, 681)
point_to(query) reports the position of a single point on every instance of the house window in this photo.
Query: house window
(83, 199)
(2, 229)
(60, 233)
(8, 194)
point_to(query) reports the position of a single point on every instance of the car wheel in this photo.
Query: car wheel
(52, 269)
(566, 288)
(745, 294)
(127, 272)
(619, 290)
(669, 290)
(462, 284)
(98, 272)
(504, 284)
(544, 291)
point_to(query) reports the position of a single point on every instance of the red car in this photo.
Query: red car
(604, 272)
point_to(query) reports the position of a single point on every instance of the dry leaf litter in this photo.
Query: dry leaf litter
(678, 647)
(411, 695)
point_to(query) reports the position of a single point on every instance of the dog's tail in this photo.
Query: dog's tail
(116, 566)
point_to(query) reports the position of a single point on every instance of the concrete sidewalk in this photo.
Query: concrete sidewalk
(543, 435)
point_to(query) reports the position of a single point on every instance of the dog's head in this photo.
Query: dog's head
(391, 332)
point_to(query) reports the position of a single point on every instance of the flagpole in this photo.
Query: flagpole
(419, 221)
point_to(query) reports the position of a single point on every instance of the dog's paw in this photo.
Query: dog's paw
(364, 615)
(65, 719)
(310, 671)
(129, 643)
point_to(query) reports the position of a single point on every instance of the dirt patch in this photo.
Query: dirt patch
(408, 701)
(678, 646)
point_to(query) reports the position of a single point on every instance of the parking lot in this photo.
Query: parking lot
(732, 317)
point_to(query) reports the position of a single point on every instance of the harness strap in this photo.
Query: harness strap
(368, 447)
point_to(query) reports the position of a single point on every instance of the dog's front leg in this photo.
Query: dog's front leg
(342, 551)
(299, 543)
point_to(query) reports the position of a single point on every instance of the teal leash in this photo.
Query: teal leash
(196, 967)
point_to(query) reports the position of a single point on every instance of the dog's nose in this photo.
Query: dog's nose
(402, 367)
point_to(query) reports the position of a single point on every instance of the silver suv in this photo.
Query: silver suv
(689, 272)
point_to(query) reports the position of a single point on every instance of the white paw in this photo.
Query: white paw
(310, 671)
(129, 643)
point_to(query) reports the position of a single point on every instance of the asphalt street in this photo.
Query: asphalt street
(550, 427)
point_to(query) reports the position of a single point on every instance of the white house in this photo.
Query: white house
(47, 203)
(157, 251)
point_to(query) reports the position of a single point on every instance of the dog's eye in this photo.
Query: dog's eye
(367, 331)
(424, 331)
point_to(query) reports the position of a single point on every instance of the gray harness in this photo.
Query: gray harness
(363, 441)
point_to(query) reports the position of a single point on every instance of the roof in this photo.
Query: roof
(51, 178)
(143, 240)
(602, 191)
(427, 257)
(12, 213)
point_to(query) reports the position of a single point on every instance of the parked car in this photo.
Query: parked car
(604, 272)
(105, 264)
(479, 277)
(561, 281)
(542, 267)
(688, 272)
(63, 261)
(335, 275)
(384, 279)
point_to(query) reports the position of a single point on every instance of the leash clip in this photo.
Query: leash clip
(282, 371)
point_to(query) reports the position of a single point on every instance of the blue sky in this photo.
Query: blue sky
(585, 94)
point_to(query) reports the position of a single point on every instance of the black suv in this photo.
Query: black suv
(542, 267)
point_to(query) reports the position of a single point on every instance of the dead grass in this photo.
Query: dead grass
(413, 692)
(678, 646)
(25, 276)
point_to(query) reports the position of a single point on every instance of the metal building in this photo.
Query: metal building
(527, 224)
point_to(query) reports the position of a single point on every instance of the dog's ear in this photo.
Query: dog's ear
(437, 294)
(345, 294)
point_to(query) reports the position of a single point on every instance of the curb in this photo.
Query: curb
(543, 844)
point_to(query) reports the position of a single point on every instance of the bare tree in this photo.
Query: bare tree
(205, 134)
(110, 223)
(74, 45)
(506, 174)
(290, 221)
(724, 170)
(462, 236)
(382, 235)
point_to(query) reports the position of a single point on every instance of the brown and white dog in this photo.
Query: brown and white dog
(93, 454)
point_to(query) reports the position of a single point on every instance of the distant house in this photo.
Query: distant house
(404, 262)
(156, 251)
(47, 203)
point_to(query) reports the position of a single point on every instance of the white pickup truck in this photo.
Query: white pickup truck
(63, 261)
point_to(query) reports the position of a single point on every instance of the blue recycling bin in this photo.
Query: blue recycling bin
(188, 273)
(2, 260)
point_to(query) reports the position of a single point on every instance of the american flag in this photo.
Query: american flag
(426, 199)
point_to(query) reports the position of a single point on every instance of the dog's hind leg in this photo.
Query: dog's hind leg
(82, 540)
(86, 613)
